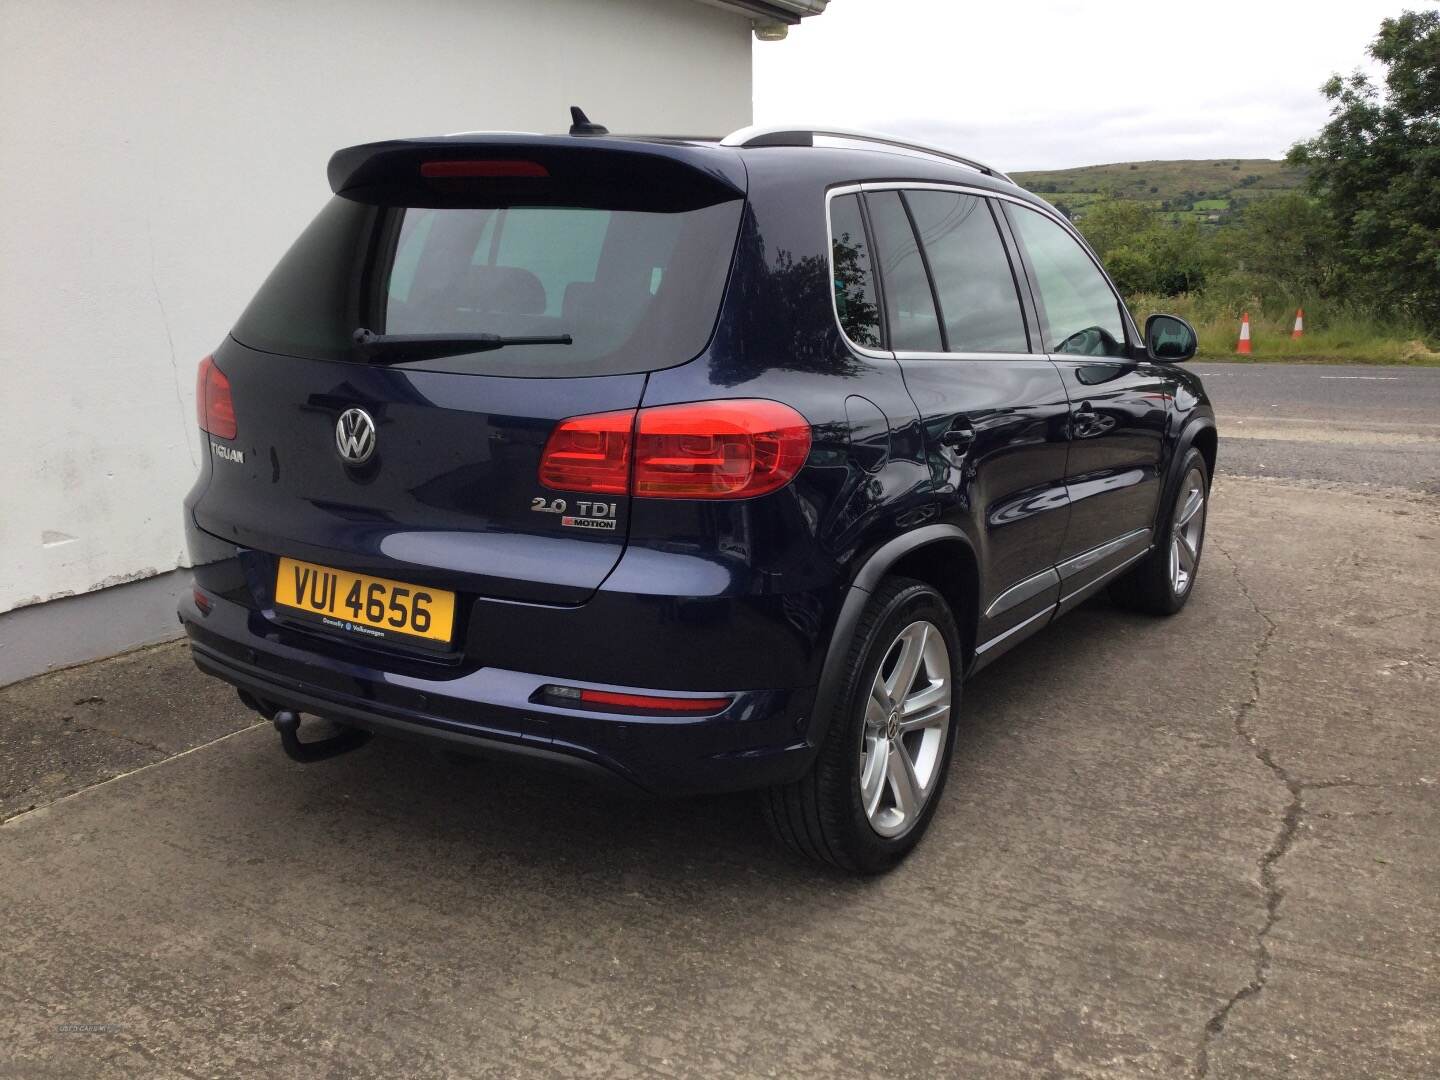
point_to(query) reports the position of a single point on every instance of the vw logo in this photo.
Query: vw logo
(355, 436)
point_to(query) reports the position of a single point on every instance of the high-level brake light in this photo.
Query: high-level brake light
(728, 449)
(483, 170)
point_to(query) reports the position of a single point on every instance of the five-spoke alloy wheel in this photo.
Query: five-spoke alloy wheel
(907, 719)
(1187, 532)
(888, 736)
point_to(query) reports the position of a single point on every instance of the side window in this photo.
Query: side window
(855, 297)
(973, 280)
(1080, 313)
(909, 303)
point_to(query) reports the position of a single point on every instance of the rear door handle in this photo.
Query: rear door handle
(960, 436)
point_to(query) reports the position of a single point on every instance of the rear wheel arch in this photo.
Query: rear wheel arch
(948, 566)
(938, 555)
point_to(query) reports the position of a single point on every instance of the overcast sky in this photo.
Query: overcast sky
(1035, 84)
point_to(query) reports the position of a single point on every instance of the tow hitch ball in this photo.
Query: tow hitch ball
(287, 723)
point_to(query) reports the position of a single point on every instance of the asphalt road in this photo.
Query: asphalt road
(1374, 427)
(1194, 847)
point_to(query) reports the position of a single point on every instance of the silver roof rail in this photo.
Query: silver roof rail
(793, 136)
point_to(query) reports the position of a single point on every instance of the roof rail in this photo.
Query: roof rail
(792, 136)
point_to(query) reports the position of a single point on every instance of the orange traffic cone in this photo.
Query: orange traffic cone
(1299, 330)
(1244, 347)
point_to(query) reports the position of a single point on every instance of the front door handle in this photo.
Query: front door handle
(961, 436)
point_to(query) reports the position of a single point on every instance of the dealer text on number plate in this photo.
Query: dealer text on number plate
(369, 606)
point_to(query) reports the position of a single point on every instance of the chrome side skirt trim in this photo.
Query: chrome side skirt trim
(983, 649)
(1069, 600)
(1025, 590)
(1086, 559)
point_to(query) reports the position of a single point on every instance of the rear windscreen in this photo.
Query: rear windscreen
(636, 290)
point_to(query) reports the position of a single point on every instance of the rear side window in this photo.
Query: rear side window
(909, 303)
(637, 290)
(855, 296)
(978, 301)
(1079, 311)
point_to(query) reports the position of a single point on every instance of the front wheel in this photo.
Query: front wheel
(1161, 582)
(877, 779)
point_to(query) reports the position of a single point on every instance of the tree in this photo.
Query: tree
(1286, 242)
(1375, 170)
(1143, 253)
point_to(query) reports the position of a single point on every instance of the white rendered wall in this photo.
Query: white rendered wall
(158, 156)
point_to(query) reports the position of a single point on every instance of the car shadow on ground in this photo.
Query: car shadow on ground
(483, 811)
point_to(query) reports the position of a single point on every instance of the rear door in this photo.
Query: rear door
(448, 494)
(994, 409)
(1119, 405)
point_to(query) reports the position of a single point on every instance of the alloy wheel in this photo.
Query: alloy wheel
(1187, 532)
(907, 720)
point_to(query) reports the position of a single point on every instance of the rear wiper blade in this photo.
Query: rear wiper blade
(397, 348)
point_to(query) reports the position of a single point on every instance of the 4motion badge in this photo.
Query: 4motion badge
(588, 513)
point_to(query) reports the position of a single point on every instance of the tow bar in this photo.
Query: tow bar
(287, 723)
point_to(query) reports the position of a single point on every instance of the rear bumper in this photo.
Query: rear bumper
(757, 741)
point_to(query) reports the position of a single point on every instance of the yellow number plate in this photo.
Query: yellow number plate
(368, 607)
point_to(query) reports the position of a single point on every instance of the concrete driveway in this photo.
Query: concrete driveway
(1203, 846)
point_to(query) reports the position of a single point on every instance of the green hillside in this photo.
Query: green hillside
(1209, 190)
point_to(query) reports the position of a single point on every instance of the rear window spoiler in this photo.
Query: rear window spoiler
(538, 170)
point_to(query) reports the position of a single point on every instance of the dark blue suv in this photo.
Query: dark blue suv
(693, 465)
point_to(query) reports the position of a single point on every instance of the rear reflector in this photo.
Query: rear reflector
(213, 405)
(482, 170)
(729, 449)
(605, 699)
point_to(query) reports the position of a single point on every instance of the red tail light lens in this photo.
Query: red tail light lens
(589, 453)
(700, 450)
(215, 409)
(718, 449)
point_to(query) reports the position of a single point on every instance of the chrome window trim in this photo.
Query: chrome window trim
(905, 354)
(1042, 208)
(921, 185)
(863, 350)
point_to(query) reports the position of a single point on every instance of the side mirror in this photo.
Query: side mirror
(1170, 338)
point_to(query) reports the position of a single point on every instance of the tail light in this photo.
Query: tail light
(215, 409)
(734, 449)
(589, 453)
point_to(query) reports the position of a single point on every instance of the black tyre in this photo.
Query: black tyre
(1161, 582)
(880, 772)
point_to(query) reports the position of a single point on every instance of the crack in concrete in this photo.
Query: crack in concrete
(1289, 826)
(1290, 823)
(40, 807)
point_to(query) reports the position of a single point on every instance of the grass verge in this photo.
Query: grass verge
(1333, 334)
